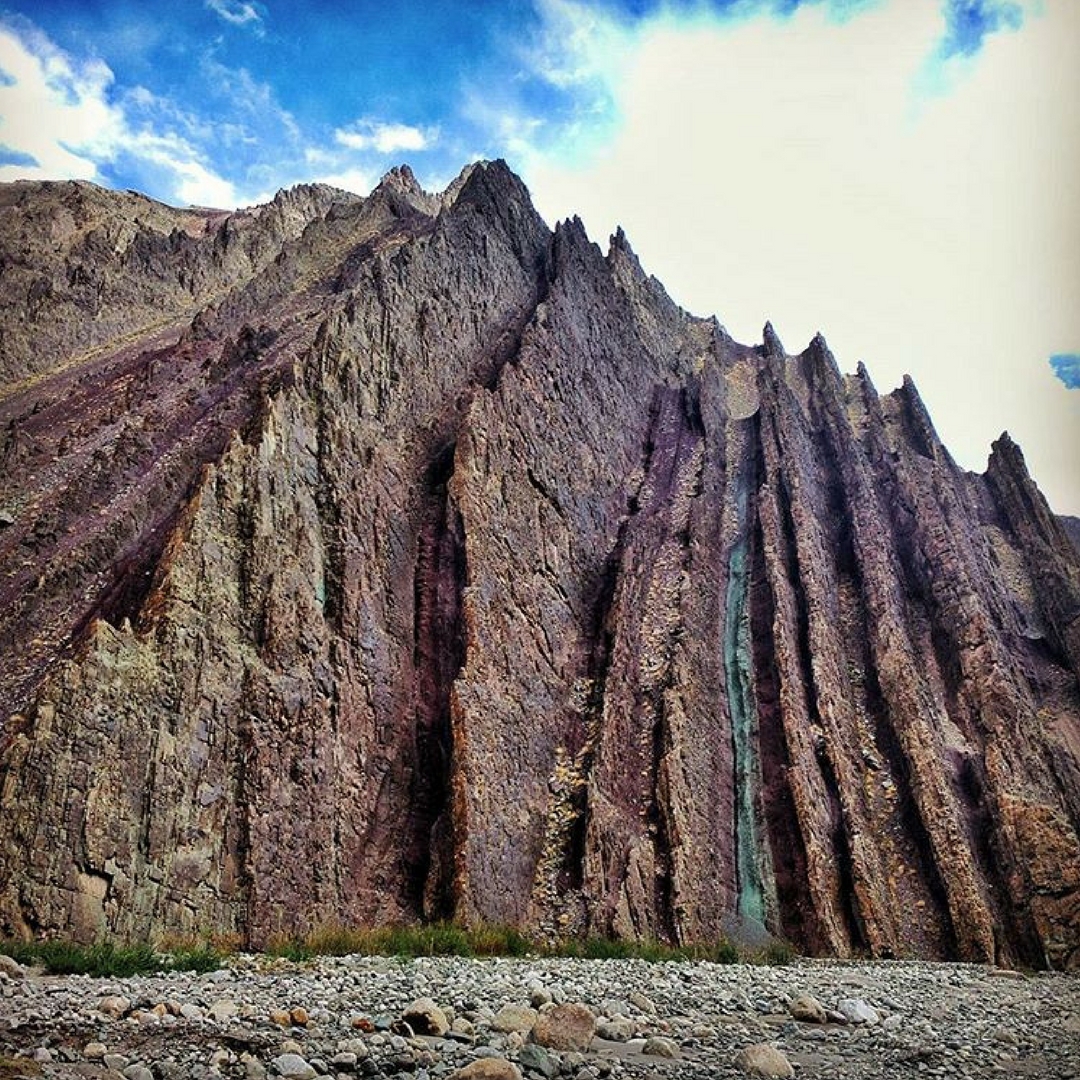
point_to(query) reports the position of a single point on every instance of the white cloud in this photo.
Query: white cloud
(58, 112)
(578, 45)
(358, 181)
(238, 12)
(192, 182)
(384, 138)
(53, 110)
(797, 170)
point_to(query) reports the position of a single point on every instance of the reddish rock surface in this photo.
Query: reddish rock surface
(399, 558)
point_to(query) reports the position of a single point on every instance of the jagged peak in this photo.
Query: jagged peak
(819, 361)
(403, 179)
(572, 228)
(449, 195)
(1006, 443)
(308, 200)
(494, 173)
(572, 244)
(771, 340)
(312, 188)
(619, 244)
(1006, 455)
(621, 256)
(487, 183)
(869, 390)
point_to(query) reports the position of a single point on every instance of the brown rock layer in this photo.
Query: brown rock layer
(398, 558)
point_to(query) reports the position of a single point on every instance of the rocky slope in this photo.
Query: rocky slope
(390, 558)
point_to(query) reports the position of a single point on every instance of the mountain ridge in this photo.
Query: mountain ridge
(431, 562)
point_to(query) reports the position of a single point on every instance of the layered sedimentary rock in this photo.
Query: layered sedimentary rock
(398, 558)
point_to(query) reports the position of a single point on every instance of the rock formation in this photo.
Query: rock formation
(395, 558)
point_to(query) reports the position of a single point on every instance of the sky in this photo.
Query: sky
(900, 175)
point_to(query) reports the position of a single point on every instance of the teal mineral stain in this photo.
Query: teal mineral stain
(738, 660)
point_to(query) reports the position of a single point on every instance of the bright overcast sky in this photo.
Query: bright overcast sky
(903, 175)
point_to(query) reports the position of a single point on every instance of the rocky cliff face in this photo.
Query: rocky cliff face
(394, 558)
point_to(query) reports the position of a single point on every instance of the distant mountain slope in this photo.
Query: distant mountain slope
(400, 555)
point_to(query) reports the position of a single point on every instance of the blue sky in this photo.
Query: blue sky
(900, 174)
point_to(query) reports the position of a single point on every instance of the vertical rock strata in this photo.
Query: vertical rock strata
(433, 564)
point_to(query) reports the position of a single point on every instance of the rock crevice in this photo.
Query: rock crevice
(402, 555)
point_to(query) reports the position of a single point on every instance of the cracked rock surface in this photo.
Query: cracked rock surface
(399, 558)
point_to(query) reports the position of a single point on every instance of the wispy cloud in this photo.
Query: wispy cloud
(59, 121)
(1067, 368)
(54, 112)
(969, 22)
(239, 12)
(793, 167)
(384, 137)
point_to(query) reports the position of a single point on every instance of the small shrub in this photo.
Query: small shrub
(289, 949)
(725, 953)
(198, 958)
(777, 953)
(500, 940)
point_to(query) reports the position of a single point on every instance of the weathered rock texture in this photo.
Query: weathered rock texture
(391, 558)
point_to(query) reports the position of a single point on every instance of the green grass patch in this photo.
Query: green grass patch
(451, 939)
(106, 959)
(777, 953)
(111, 960)
(432, 939)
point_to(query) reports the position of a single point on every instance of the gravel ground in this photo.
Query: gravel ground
(343, 1017)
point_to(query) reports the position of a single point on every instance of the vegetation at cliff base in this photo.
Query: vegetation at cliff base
(450, 939)
(107, 959)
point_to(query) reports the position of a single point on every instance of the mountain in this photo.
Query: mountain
(388, 558)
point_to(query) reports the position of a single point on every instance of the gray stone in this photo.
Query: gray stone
(807, 1008)
(426, 1018)
(293, 1066)
(612, 1008)
(618, 1029)
(514, 1018)
(857, 1011)
(223, 1010)
(566, 1027)
(490, 1068)
(661, 1046)
(534, 1058)
(114, 1006)
(761, 1059)
(11, 968)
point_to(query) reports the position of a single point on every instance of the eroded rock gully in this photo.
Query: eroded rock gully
(397, 558)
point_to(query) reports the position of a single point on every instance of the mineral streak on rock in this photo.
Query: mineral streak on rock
(398, 557)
